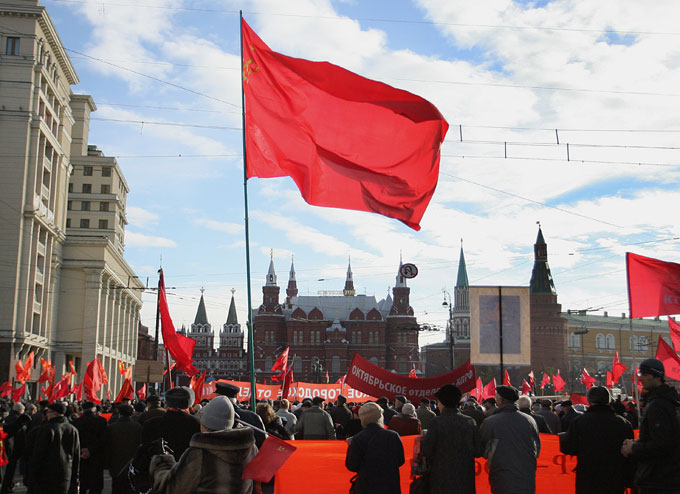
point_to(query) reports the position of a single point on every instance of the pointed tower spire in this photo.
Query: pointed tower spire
(271, 274)
(462, 279)
(541, 279)
(231, 316)
(401, 281)
(201, 314)
(349, 281)
(291, 290)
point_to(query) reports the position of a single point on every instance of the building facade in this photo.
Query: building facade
(227, 361)
(67, 294)
(324, 331)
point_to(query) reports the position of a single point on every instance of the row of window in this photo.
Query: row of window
(87, 188)
(85, 223)
(608, 342)
(88, 171)
(214, 364)
(87, 206)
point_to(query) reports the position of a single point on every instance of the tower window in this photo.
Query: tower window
(87, 171)
(106, 171)
(12, 46)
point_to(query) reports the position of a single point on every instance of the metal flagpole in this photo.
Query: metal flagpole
(249, 324)
(630, 325)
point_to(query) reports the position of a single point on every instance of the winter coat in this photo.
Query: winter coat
(91, 429)
(315, 424)
(551, 419)
(425, 415)
(451, 445)
(175, 426)
(657, 450)
(595, 438)
(121, 441)
(376, 455)
(250, 417)
(511, 444)
(291, 419)
(149, 414)
(55, 458)
(542, 425)
(213, 463)
(569, 416)
(405, 425)
(276, 428)
(341, 415)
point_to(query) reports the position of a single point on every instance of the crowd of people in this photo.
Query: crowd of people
(174, 446)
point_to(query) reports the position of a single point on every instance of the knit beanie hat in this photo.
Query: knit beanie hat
(218, 414)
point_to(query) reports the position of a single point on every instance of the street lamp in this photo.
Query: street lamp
(449, 325)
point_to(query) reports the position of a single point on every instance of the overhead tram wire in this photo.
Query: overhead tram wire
(396, 21)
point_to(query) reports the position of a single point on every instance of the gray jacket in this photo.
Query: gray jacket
(315, 424)
(291, 419)
(511, 444)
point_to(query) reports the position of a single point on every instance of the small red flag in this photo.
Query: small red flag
(653, 286)
(287, 382)
(3, 457)
(617, 368)
(670, 359)
(532, 381)
(272, 455)
(95, 378)
(674, 329)
(558, 382)
(526, 389)
(24, 369)
(181, 347)
(610, 379)
(18, 393)
(78, 390)
(121, 367)
(586, 379)
(62, 389)
(413, 373)
(346, 141)
(578, 399)
(546, 380)
(141, 392)
(197, 386)
(341, 380)
(126, 391)
(489, 390)
(506, 378)
(5, 389)
(279, 367)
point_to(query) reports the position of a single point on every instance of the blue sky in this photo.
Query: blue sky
(604, 74)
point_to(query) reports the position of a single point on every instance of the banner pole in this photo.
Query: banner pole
(249, 324)
(500, 330)
(630, 326)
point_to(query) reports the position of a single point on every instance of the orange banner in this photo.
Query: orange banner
(298, 391)
(320, 465)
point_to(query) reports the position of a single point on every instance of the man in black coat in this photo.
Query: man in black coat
(550, 417)
(91, 428)
(16, 427)
(375, 454)
(388, 412)
(55, 456)
(595, 438)
(176, 426)
(657, 450)
(524, 404)
(570, 414)
(341, 416)
(248, 416)
(120, 444)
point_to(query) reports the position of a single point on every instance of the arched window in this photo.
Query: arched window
(611, 342)
(335, 364)
(600, 341)
(574, 341)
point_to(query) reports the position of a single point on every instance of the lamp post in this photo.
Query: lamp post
(317, 368)
(449, 326)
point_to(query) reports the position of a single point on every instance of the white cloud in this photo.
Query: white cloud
(220, 226)
(133, 239)
(141, 218)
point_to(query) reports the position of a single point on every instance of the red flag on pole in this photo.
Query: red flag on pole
(347, 142)
(328, 379)
(62, 389)
(546, 380)
(181, 347)
(489, 390)
(413, 373)
(341, 380)
(653, 286)
(586, 379)
(197, 386)
(526, 389)
(279, 367)
(78, 390)
(126, 391)
(24, 369)
(45, 375)
(95, 378)
(674, 329)
(532, 380)
(271, 456)
(610, 379)
(5, 389)
(558, 382)
(287, 382)
(670, 359)
(506, 378)
(18, 393)
(617, 368)
(141, 392)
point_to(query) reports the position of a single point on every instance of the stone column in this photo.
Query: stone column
(93, 280)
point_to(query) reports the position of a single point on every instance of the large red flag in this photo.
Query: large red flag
(506, 378)
(288, 382)
(181, 347)
(653, 286)
(62, 389)
(95, 378)
(24, 369)
(587, 380)
(348, 142)
(674, 329)
(670, 359)
(617, 368)
(279, 367)
(271, 456)
(546, 380)
(489, 390)
(558, 382)
(479, 389)
(526, 389)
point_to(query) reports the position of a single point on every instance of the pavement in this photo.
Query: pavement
(20, 488)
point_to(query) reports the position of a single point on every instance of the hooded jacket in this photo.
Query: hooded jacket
(213, 462)
(657, 450)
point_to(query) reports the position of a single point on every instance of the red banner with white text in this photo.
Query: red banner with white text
(297, 391)
(376, 381)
